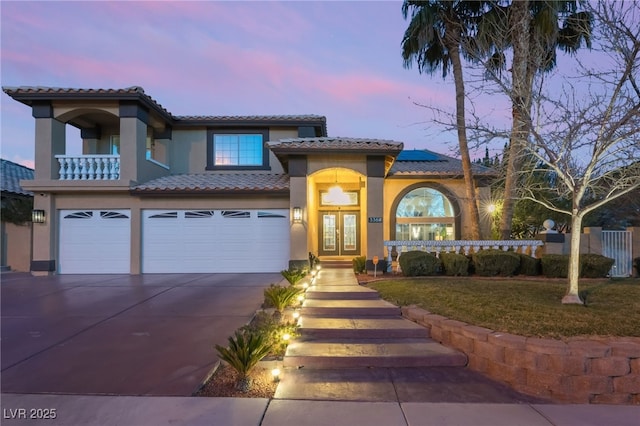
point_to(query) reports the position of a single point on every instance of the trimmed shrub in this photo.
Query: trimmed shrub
(528, 265)
(359, 264)
(636, 262)
(455, 264)
(493, 262)
(595, 265)
(416, 263)
(591, 265)
(273, 330)
(555, 265)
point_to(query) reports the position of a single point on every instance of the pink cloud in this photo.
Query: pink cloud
(23, 161)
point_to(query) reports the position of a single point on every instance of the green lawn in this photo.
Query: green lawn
(524, 307)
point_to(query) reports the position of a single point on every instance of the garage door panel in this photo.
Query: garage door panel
(215, 241)
(94, 242)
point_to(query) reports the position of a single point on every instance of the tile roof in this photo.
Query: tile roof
(11, 174)
(441, 165)
(277, 118)
(34, 92)
(215, 182)
(27, 94)
(324, 144)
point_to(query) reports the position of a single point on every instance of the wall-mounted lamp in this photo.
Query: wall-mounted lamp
(297, 214)
(37, 216)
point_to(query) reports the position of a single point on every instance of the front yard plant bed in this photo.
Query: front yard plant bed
(223, 384)
(526, 307)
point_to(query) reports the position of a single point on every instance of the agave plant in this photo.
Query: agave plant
(281, 297)
(293, 275)
(245, 350)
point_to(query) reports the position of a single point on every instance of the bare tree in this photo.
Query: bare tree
(587, 134)
(532, 31)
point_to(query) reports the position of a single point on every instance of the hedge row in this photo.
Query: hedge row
(493, 262)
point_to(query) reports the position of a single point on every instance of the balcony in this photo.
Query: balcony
(89, 167)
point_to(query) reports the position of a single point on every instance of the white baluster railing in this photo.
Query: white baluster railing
(89, 167)
(467, 246)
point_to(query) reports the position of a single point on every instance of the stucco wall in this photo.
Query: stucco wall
(188, 150)
(16, 246)
(580, 370)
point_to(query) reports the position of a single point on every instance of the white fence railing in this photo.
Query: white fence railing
(467, 246)
(89, 167)
(618, 245)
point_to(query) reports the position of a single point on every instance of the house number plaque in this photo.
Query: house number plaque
(375, 220)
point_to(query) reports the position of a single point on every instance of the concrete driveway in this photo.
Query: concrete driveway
(120, 334)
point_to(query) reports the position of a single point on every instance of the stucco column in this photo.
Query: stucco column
(50, 141)
(133, 140)
(635, 245)
(299, 255)
(136, 240)
(375, 213)
(594, 234)
(375, 228)
(44, 237)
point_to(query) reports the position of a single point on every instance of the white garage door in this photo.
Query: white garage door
(94, 242)
(187, 241)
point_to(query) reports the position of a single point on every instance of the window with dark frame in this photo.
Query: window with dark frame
(237, 149)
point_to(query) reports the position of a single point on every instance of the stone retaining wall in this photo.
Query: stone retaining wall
(578, 370)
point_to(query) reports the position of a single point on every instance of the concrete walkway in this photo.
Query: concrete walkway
(356, 347)
(78, 410)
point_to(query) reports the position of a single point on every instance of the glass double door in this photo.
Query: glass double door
(339, 233)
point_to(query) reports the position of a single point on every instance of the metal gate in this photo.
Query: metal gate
(617, 245)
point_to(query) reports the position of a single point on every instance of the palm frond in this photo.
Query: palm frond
(245, 350)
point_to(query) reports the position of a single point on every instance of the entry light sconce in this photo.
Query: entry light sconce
(297, 214)
(37, 216)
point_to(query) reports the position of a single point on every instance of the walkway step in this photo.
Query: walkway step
(372, 353)
(349, 308)
(336, 263)
(341, 292)
(360, 328)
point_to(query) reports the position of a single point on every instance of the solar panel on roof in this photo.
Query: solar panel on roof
(417, 155)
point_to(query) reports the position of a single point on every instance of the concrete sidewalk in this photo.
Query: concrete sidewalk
(82, 410)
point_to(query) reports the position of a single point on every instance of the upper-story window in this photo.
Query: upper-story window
(237, 149)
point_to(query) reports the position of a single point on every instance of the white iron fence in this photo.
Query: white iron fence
(617, 245)
(467, 246)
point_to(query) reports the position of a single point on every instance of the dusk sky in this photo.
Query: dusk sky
(338, 59)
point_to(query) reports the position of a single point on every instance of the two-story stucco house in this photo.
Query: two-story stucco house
(154, 192)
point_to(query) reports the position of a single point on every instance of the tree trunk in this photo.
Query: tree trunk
(452, 43)
(520, 110)
(572, 296)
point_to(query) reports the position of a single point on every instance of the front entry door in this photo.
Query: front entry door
(339, 233)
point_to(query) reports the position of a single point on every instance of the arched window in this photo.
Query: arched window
(425, 214)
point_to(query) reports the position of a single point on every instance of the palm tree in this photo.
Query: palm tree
(433, 40)
(531, 29)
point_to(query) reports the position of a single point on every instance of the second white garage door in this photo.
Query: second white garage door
(209, 241)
